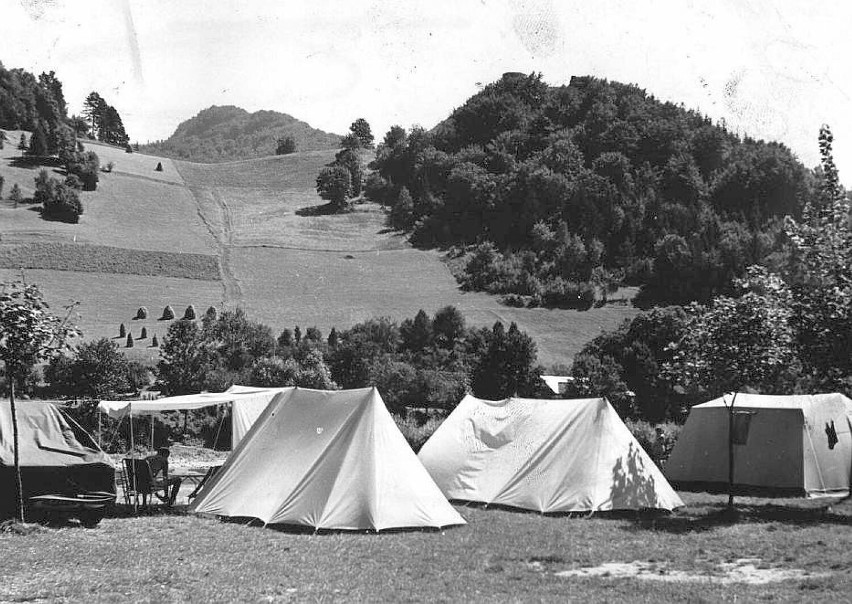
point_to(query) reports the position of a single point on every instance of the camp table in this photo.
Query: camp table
(195, 477)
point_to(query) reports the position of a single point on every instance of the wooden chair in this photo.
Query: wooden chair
(139, 481)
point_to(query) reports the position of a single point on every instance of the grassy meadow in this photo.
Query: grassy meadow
(499, 555)
(102, 309)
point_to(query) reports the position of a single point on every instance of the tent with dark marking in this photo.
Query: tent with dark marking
(797, 445)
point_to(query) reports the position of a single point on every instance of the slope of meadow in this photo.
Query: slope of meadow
(290, 263)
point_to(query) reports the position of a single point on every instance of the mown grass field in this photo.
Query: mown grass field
(107, 300)
(260, 224)
(499, 556)
(294, 264)
(127, 210)
(87, 258)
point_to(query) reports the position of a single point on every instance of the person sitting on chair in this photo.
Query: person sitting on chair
(159, 463)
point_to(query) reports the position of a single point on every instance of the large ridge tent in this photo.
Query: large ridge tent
(329, 460)
(56, 456)
(797, 445)
(544, 455)
(247, 403)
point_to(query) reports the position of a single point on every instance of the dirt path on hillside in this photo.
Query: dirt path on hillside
(217, 217)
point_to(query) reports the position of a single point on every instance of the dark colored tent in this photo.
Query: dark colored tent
(57, 456)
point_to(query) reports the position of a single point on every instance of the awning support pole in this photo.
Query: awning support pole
(132, 462)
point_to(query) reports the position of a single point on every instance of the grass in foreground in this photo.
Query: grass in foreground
(499, 555)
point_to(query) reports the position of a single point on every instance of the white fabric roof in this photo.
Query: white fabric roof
(327, 459)
(544, 455)
(553, 382)
(777, 401)
(248, 403)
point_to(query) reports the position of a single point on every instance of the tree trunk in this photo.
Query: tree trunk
(19, 486)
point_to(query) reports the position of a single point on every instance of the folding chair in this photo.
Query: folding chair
(139, 481)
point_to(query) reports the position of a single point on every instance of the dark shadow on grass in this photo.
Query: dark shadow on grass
(611, 514)
(299, 529)
(327, 209)
(711, 517)
(31, 163)
(121, 510)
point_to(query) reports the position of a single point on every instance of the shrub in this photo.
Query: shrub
(286, 145)
(122, 331)
(59, 201)
(15, 195)
(189, 313)
(211, 314)
(85, 165)
(142, 313)
(129, 340)
(144, 334)
(73, 181)
(657, 440)
(110, 165)
(159, 167)
(168, 314)
(417, 430)
(128, 148)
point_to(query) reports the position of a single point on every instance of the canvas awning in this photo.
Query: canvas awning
(248, 402)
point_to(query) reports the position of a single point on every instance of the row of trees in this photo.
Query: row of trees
(101, 121)
(35, 104)
(782, 332)
(343, 178)
(566, 192)
(38, 105)
(424, 361)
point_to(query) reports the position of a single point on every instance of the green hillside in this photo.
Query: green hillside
(221, 134)
(558, 193)
(151, 238)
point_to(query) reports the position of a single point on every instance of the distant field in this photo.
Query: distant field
(135, 164)
(285, 287)
(125, 211)
(87, 258)
(297, 171)
(107, 300)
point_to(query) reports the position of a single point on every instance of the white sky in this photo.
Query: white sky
(771, 68)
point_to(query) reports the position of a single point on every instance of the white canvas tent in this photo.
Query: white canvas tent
(247, 403)
(795, 445)
(330, 460)
(544, 455)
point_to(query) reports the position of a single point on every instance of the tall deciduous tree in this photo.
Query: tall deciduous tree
(360, 130)
(285, 145)
(184, 358)
(737, 343)
(97, 369)
(821, 275)
(29, 334)
(334, 183)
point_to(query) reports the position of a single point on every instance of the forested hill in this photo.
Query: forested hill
(559, 194)
(228, 133)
